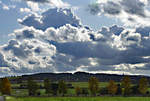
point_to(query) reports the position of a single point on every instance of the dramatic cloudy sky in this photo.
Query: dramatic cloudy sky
(103, 36)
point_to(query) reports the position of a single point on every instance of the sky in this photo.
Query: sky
(98, 36)
(12, 13)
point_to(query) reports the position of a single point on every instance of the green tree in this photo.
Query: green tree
(78, 90)
(0, 85)
(93, 85)
(118, 89)
(62, 87)
(47, 86)
(32, 87)
(54, 88)
(126, 85)
(5, 86)
(143, 86)
(85, 91)
(112, 87)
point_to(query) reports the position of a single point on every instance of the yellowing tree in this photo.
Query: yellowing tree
(143, 86)
(6, 86)
(112, 87)
(93, 85)
(126, 85)
(78, 90)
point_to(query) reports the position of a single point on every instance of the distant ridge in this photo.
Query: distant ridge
(79, 77)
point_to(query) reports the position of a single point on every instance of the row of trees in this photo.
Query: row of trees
(50, 88)
(125, 87)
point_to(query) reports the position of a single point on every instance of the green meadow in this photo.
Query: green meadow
(21, 93)
(24, 92)
(79, 99)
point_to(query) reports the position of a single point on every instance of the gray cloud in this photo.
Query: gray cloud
(116, 7)
(112, 8)
(134, 7)
(144, 30)
(51, 18)
(130, 12)
(94, 8)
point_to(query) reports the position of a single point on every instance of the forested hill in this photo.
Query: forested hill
(78, 77)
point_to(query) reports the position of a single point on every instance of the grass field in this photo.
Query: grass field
(24, 92)
(79, 99)
(85, 84)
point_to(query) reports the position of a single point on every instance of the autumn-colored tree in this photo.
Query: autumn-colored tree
(112, 87)
(93, 85)
(5, 86)
(126, 85)
(47, 86)
(143, 86)
(62, 87)
(78, 90)
(32, 87)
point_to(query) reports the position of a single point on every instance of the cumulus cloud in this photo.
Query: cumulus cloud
(28, 56)
(67, 33)
(51, 18)
(40, 5)
(34, 6)
(128, 11)
(50, 43)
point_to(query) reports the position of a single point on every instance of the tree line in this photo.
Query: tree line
(125, 87)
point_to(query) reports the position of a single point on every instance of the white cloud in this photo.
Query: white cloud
(58, 3)
(67, 33)
(42, 5)
(28, 55)
(52, 3)
(26, 10)
(33, 6)
(7, 7)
